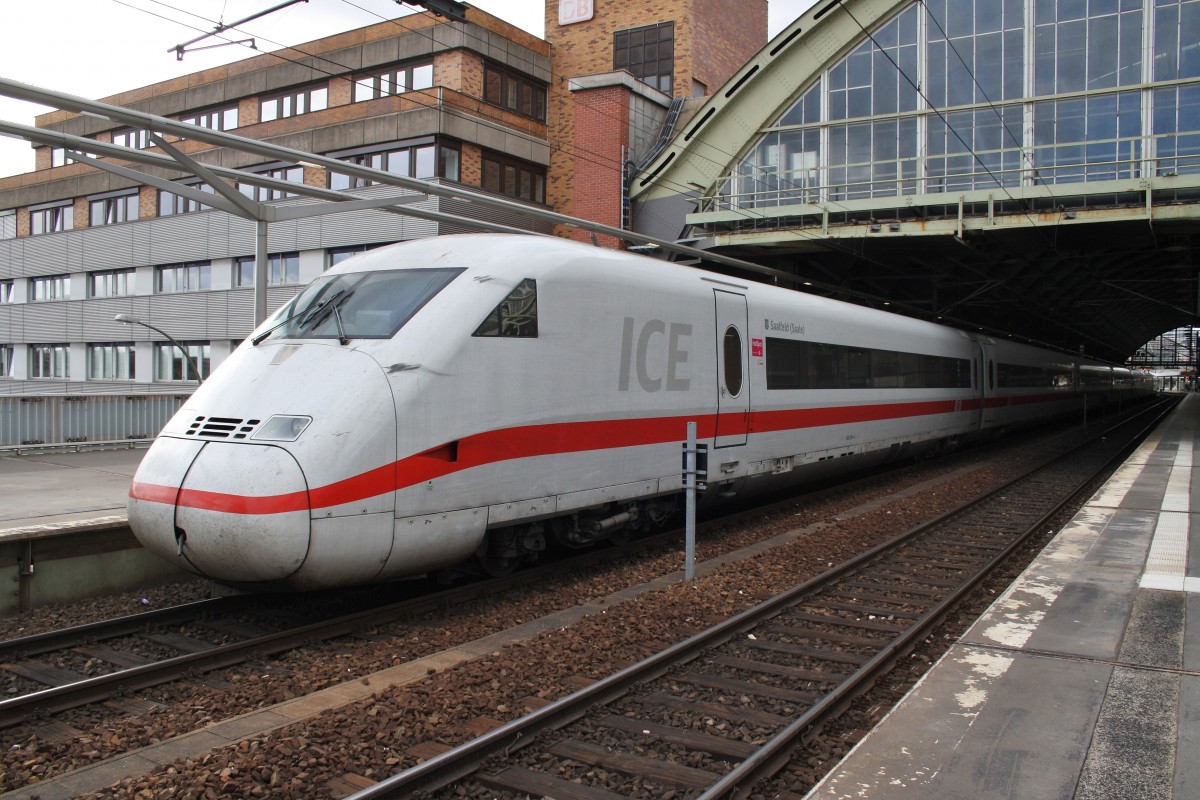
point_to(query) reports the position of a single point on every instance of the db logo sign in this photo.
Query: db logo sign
(570, 11)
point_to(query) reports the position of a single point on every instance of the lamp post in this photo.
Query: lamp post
(130, 320)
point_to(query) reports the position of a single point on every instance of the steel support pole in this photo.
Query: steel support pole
(689, 484)
(260, 272)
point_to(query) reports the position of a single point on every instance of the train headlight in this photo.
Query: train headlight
(280, 428)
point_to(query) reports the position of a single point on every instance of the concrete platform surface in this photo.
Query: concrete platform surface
(65, 487)
(1080, 682)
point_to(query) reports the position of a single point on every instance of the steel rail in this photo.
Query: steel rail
(56, 699)
(467, 757)
(11, 710)
(49, 641)
(15, 710)
(776, 752)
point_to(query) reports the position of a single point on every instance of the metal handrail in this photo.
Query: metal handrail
(790, 191)
(73, 447)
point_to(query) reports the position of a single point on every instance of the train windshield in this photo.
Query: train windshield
(357, 305)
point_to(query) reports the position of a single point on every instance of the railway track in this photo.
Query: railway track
(717, 713)
(55, 671)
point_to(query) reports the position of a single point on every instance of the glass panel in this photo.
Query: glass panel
(1130, 59)
(491, 175)
(989, 67)
(733, 361)
(449, 166)
(1166, 44)
(491, 86)
(516, 316)
(1102, 53)
(399, 162)
(368, 305)
(426, 164)
(1189, 32)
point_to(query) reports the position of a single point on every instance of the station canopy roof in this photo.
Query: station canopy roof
(1027, 172)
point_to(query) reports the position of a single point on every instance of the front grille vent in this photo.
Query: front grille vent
(222, 427)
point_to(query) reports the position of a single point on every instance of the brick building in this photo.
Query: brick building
(549, 122)
(618, 66)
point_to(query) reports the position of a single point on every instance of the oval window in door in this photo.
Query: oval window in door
(733, 361)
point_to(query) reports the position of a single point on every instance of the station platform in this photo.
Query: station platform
(60, 489)
(1083, 678)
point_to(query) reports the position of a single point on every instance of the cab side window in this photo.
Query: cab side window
(516, 316)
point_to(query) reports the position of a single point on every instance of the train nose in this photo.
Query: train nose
(235, 512)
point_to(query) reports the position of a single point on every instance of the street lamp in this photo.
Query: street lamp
(130, 320)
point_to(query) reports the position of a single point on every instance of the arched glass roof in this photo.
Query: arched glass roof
(953, 95)
(1019, 166)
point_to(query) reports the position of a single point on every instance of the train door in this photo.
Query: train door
(979, 379)
(733, 384)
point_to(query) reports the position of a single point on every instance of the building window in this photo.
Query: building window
(113, 361)
(113, 208)
(294, 103)
(137, 138)
(170, 365)
(170, 203)
(224, 118)
(110, 283)
(190, 277)
(282, 268)
(290, 173)
(449, 158)
(6, 292)
(514, 92)
(419, 159)
(50, 287)
(647, 53)
(393, 80)
(336, 255)
(52, 218)
(6, 360)
(8, 224)
(58, 157)
(514, 178)
(49, 361)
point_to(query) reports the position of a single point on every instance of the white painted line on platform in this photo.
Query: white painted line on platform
(1166, 564)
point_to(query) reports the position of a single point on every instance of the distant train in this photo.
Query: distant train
(477, 396)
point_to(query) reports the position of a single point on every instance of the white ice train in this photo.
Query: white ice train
(475, 396)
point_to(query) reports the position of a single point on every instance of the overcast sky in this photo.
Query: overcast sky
(96, 48)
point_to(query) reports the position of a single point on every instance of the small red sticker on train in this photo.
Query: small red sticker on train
(756, 348)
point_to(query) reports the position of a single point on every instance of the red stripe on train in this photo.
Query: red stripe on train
(540, 440)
